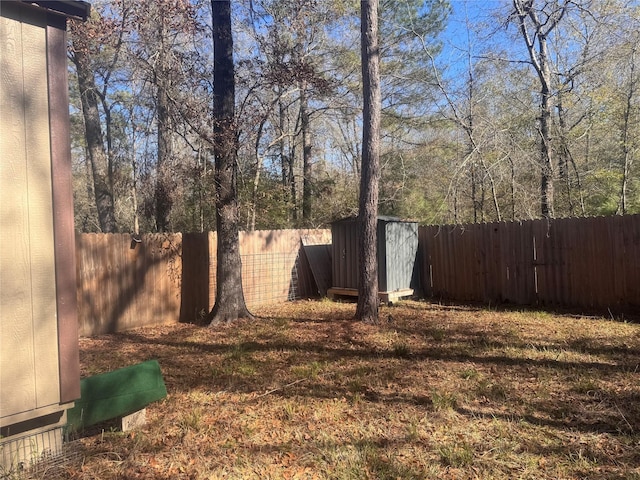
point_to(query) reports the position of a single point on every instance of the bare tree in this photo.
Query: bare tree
(85, 37)
(160, 51)
(162, 194)
(230, 303)
(306, 153)
(625, 135)
(536, 25)
(367, 309)
(465, 116)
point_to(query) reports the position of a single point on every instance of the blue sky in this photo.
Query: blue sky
(477, 11)
(481, 16)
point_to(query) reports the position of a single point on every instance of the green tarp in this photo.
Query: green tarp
(116, 394)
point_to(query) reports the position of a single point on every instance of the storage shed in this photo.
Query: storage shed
(39, 362)
(397, 246)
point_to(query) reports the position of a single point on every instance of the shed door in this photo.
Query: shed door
(29, 373)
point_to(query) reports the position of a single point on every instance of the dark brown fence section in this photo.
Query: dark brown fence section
(591, 263)
(166, 278)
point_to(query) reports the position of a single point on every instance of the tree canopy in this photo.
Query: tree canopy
(474, 126)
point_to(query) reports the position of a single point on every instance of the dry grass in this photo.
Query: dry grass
(432, 393)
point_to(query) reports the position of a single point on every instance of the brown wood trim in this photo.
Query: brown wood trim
(63, 224)
(72, 9)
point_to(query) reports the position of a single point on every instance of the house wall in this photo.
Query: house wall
(63, 219)
(29, 360)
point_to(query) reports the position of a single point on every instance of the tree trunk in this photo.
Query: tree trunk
(293, 190)
(471, 146)
(540, 60)
(367, 309)
(512, 186)
(564, 153)
(306, 155)
(474, 188)
(162, 193)
(286, 159)
(134, 175)
(251, 224)
(95, 143)
(546, 181)
(284, 163)
(625, 137)
(230, 303)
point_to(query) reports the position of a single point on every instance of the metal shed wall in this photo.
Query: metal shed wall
(397, 249)
(344, 263)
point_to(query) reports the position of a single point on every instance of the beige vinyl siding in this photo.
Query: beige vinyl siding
(29, 376)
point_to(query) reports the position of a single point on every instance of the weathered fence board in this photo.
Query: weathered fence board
(591, 263)
(125, 283)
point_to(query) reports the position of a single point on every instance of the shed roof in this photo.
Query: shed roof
(381, 218)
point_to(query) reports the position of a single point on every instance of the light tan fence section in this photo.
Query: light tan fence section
(125, 283)
(273, 265)
(576, 262)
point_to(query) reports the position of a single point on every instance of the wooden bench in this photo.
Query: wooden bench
(385, 297)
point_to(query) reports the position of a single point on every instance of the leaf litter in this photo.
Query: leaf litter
(433, 391)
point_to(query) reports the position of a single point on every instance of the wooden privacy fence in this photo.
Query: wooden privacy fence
(591, 263)
(166, 278)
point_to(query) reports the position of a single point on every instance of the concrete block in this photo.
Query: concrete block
(134, 420)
